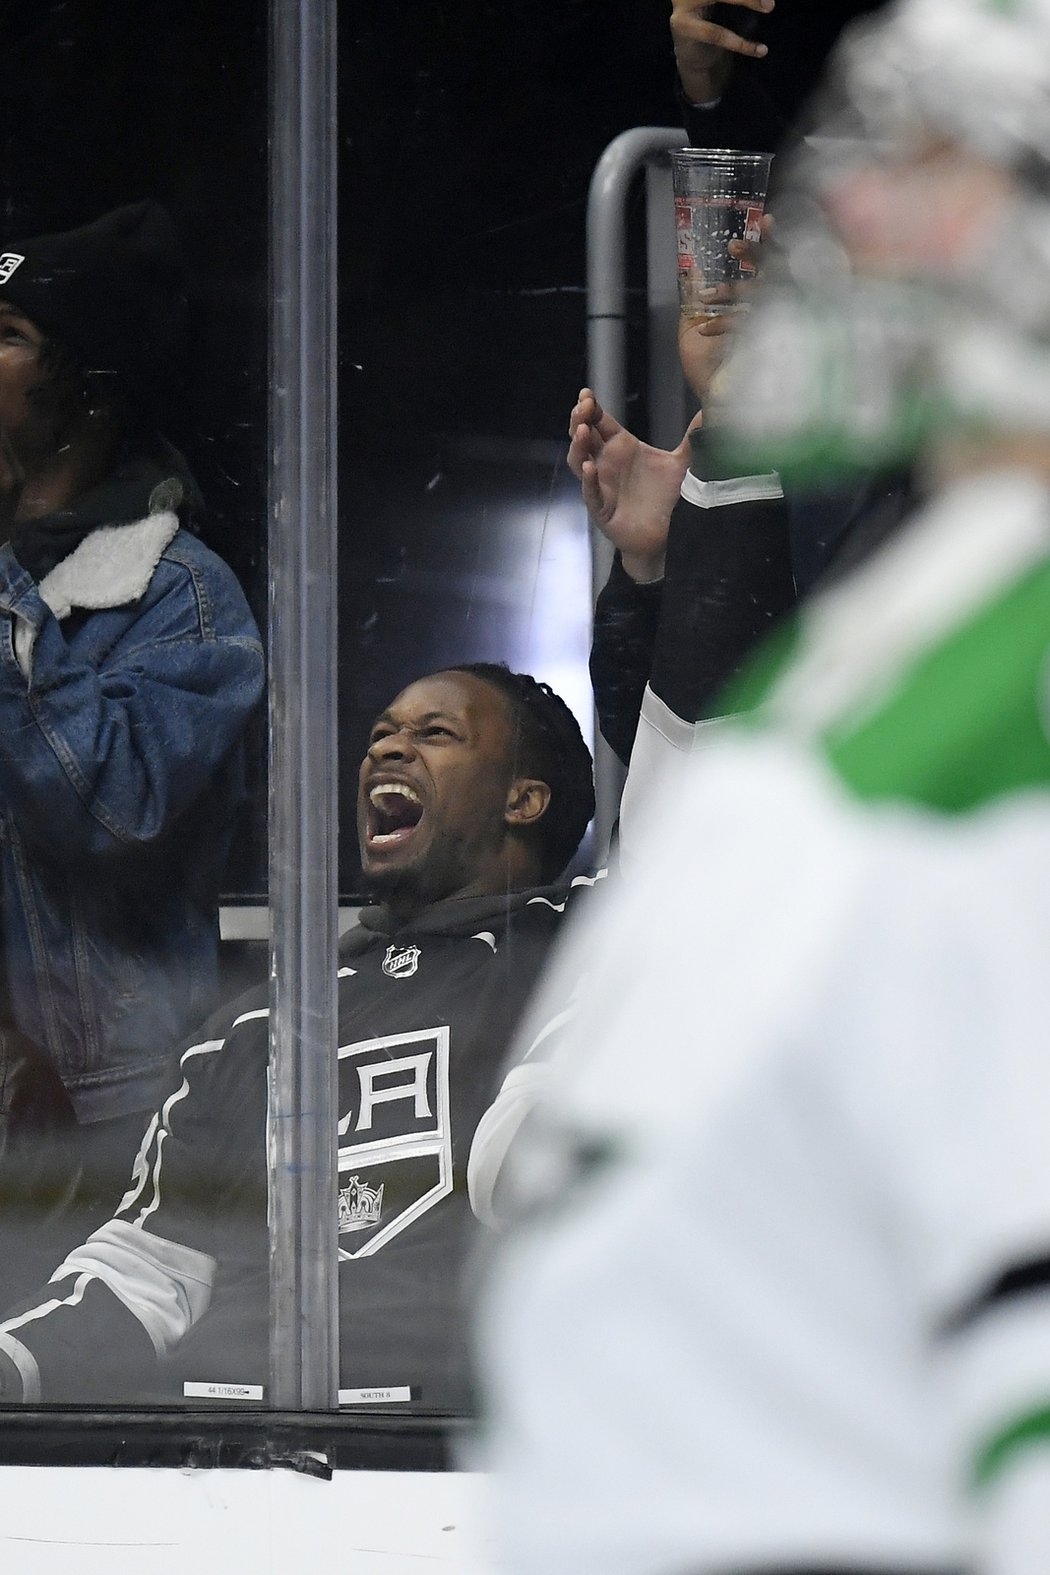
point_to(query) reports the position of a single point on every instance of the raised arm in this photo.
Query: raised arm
(630, 490)
(629, 487)
(705, 49)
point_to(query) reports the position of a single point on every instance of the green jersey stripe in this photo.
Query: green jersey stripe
(948, 709)
(1031, 1431)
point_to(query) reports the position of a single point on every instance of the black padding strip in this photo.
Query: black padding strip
(624, 636)
(832, 1568)
(1021, 1279)
(728, 579)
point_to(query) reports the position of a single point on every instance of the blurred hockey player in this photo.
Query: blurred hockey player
(776, 1293)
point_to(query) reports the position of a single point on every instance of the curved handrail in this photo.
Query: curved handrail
(614, 173)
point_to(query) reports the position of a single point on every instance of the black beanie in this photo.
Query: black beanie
(112, 292)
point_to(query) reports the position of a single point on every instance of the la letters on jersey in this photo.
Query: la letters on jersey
(395, 1136)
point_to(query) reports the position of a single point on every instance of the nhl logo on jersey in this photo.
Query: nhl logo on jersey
(401, 962)
(8, 263)
(360, 1206)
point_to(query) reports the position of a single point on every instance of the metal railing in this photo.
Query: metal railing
(302, 699)
(642, 149)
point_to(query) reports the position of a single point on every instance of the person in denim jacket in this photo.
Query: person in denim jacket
(129, 665)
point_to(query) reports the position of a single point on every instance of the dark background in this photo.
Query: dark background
(468, 133)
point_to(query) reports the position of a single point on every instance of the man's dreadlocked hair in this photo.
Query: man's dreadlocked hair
(550, 747)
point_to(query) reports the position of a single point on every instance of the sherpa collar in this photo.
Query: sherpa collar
(111, 567)
(144, 483)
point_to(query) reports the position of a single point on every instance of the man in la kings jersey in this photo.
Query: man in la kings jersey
(474, 794)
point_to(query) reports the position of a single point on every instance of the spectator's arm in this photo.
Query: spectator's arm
(629, 489)
(97, 757)
(747, 99)
(728, 580)
(624, 637)
(706, 48)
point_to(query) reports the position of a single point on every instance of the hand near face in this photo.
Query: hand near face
(704, 50)
(629, 487)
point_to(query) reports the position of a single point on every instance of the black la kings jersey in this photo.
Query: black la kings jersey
(427, 1013)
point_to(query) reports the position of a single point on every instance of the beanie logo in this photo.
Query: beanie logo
(8, 263)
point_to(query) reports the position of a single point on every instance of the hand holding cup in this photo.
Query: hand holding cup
(702, 334)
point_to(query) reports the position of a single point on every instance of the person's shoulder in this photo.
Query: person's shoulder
(216, 589)
(547, 907)
(224, 1062)
(187, 549)
(917, 675)
(244, 1017)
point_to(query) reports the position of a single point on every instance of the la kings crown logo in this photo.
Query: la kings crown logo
(360, 1206)
(395, 1136)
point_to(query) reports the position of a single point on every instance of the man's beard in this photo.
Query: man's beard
(418, 884)
(391, 885)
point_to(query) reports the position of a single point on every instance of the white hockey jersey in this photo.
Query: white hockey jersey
(778, 1297)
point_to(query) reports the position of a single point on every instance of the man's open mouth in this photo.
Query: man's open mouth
(394, 812)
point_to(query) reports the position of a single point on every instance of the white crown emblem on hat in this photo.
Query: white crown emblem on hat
(9, 261)
(360, 1206)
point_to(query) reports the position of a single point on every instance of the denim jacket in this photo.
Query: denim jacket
(126, 679)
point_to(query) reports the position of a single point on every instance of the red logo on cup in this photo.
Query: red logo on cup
(752, 232)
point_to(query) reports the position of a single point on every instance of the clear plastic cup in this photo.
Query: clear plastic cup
(719, 196)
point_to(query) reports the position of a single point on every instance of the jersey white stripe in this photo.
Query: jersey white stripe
(577, 880)
(738, 489)
(50, 1306)
(22, 1357)
(151, 1208)
(550, 1027)
(859, 638)
(140, 1168)
(249, 1017)
(25, 1362)
(206, 1047)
